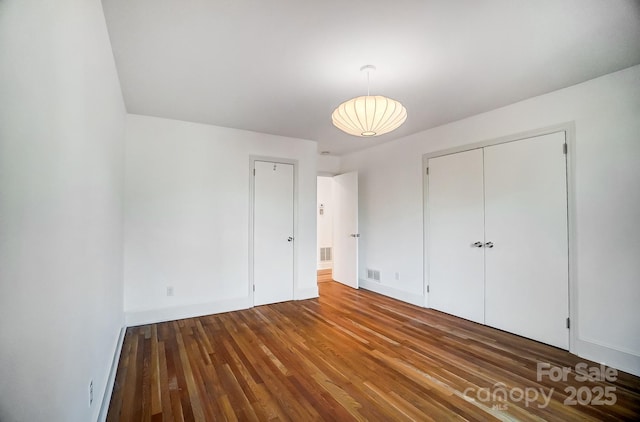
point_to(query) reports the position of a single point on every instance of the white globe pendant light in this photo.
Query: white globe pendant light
(369, 115)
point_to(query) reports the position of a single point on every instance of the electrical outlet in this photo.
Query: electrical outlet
(90, 393)
(169, 290)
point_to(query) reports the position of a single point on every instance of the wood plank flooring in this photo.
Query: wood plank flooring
(325, 275)
(349, 355)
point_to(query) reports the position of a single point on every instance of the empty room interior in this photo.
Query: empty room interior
(332, 210)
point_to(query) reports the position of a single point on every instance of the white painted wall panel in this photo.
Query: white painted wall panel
(606, 179)
(61, 189)
(187, 216)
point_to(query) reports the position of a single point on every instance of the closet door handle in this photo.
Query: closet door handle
(489, 244)
(477, 245)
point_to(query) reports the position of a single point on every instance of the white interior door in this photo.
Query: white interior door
(273, 232)
(456, 235)
(345, 229)
(526, 223)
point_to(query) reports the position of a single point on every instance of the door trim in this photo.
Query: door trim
(275, 160)
(570, 138)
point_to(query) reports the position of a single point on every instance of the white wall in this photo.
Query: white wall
(187, 217)
(61, 166)
(328, 165)
(606, 112)
(325, 221)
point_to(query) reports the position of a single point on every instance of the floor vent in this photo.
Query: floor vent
(373, 274)
(325, 254)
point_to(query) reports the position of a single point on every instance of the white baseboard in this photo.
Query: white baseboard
(623, 361)
(325, 265)
(108, 389)
(309, 293)
(152, 316)
(133, 318)
(412, 298)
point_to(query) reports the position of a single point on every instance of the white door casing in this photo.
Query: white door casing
(456, 235)
(273, 232)
(345, 229)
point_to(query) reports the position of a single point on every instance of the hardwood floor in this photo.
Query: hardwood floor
(325, 275)
(350, 355)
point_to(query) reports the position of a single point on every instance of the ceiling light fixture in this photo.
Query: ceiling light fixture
(369, 115)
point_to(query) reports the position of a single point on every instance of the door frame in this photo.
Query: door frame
(275, 160)
(570, 139)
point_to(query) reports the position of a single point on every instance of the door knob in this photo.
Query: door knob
(290, 239)
(477, 244)
(355, 235)
(489, 244)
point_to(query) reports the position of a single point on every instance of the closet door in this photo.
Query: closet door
(526, 287)
(456, 235)
(273, 224)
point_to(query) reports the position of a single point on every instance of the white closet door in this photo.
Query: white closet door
(273, 232)
(456, 223)
(526, 220)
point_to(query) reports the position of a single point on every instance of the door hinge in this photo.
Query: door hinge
(568, 323)
(254, 172)
(427, 171)
(427, 288)
(254, 287)
(564, 149)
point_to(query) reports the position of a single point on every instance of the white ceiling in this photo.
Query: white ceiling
(282, 66)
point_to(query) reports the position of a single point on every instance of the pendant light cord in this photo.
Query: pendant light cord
(368, 68)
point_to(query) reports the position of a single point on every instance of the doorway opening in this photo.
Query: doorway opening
(337, 248)
(325, 229)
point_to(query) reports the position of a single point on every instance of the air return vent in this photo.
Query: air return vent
(325, 254)
(373, 274)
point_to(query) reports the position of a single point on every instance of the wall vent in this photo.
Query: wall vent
(373, 274)
(325, 254)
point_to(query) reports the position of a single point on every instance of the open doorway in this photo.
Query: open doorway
(338, 228)
(325, 229)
